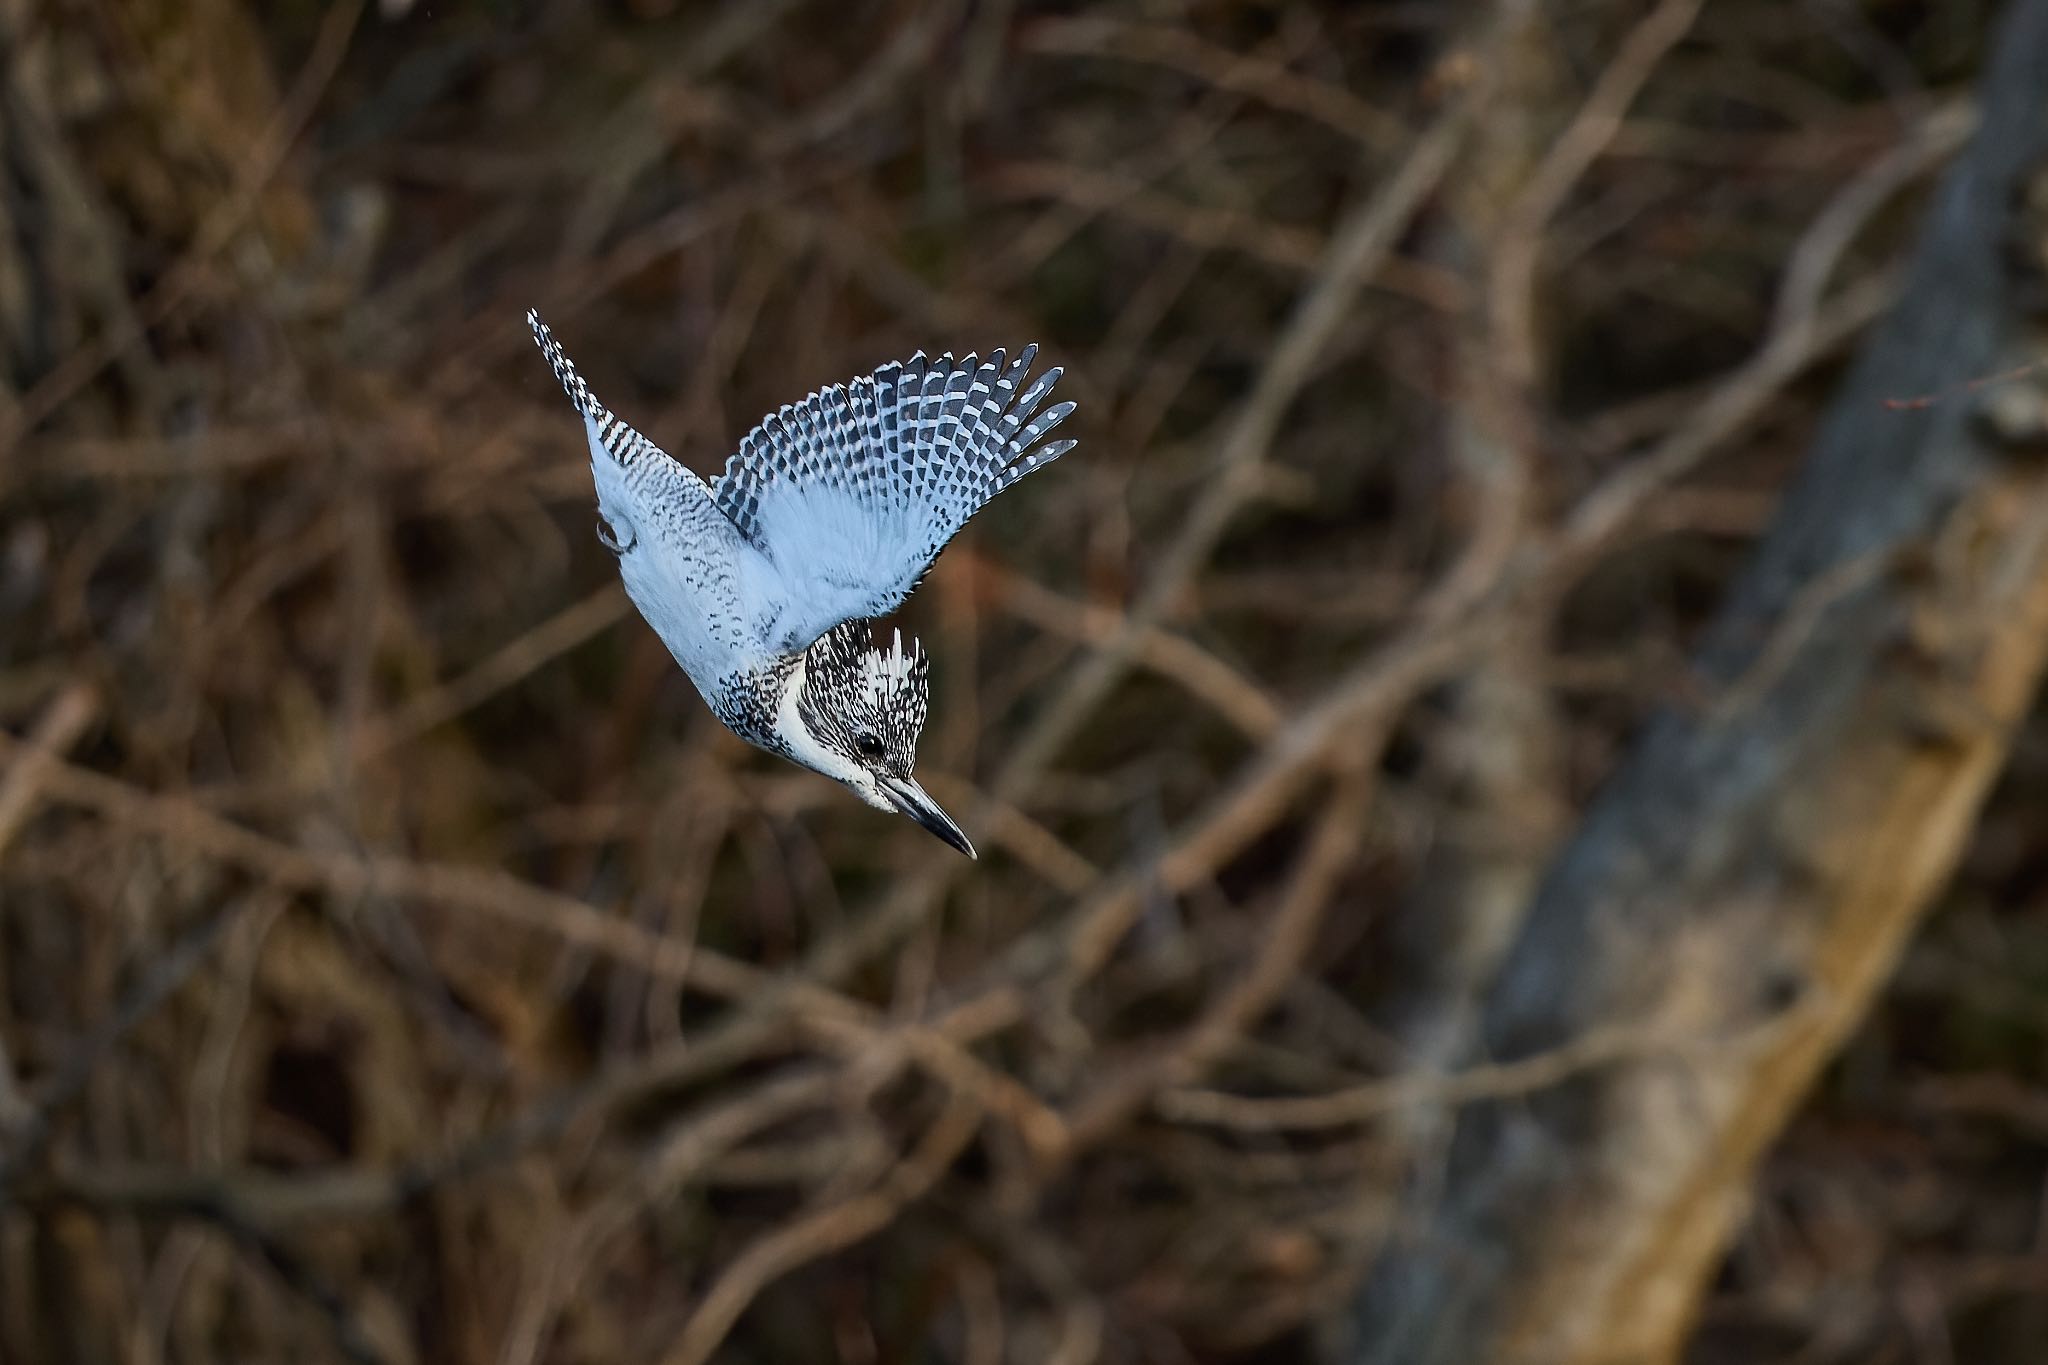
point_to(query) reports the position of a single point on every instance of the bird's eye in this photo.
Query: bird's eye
(869, 745)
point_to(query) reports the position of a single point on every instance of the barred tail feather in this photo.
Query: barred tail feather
(607, 432)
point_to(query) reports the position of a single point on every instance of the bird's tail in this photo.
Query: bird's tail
(607, 432)
(564, 368)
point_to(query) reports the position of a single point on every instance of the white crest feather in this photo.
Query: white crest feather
(885, 671)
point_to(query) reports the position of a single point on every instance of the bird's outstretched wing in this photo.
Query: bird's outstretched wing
(851, 493)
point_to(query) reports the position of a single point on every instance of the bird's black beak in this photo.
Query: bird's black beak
(912, 801)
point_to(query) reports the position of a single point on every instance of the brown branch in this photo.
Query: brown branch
(819, 1234)
(55, 731)
(1175, 658)
(1376, 1099)
(502, 669)
(1117, 1092)
(58, 728)
(1511, 293)
(1266, 80)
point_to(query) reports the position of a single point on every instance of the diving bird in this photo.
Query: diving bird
(765, 584)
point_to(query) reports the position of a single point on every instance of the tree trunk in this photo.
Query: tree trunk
(1744, 884)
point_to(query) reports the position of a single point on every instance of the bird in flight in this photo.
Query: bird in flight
(765, 583)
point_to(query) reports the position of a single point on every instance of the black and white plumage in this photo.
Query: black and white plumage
(764, 584)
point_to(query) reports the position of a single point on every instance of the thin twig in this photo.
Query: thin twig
(1284, 942)
(823, 1232)
(55, 731)
(1375, 1099)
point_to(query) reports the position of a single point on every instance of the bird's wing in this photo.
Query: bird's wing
(851, 493)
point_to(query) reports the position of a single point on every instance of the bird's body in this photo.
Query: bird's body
(764, 584)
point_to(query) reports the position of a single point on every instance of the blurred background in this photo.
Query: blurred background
(399, 964)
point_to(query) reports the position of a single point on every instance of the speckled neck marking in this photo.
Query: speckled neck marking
(748, 703)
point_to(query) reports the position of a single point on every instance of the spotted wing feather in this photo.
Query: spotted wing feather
(853, 492)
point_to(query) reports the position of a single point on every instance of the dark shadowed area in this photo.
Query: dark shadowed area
(1512, 804)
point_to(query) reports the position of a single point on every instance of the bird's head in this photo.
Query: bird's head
(854, 712)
